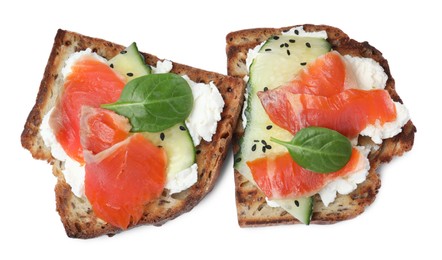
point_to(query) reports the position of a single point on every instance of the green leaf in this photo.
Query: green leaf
(154, 102)
(319, 149)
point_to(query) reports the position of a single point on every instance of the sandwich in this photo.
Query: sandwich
(132, 139)
(321, 114)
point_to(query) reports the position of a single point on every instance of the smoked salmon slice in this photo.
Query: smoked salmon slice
(280, 177)
(120, 180)
(101, 128)
(91, 83)
(320, 96)
(348, 112)
(325, 76)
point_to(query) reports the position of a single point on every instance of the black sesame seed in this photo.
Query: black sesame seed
(275, 37)
(286, 30)
(123, 52)
(182, 128)
(286, 45)
(263, 149)
(162, 136)
(308, 45)
(264, 142)
(238, 159)
(282, 45)
(288, 52)
(266, 88)
(296, 32)
(268, 147)
(111, 65)
(292, 41)
(130, 74)
(198, 151)
(297, 203)
(254, 148)
(303, 63)
(256, 141)
(268, 49)
(269, 127)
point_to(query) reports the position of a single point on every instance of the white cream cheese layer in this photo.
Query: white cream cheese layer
(162, 67)
(369, 74)
(67, 69)
(207, 106)
(345, 185)
(202, 125)
(378, 132)
(183, 180)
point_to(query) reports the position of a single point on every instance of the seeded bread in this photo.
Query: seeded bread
(252, 208)
(76, 213)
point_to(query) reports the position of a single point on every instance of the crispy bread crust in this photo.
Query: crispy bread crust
(252, 208)
(76, 213)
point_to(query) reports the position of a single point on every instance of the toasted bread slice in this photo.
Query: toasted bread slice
(76, 213)
(251, 204)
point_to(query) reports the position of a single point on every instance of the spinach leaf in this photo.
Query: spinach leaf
(319, 149)
(154, 102)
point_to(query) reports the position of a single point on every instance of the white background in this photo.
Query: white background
(404, 221)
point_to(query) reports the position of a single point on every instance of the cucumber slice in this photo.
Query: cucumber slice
(282, 57)
(130, 63)
(301, 208)
(278, 62)
(178, 145)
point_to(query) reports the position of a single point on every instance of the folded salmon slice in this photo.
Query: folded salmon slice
(123, 178)
(326, 76)
(279, 177)
(91, 83)
(100, 129)
(347, 112)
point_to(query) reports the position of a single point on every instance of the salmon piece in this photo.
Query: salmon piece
(348, 112)
(120, 180)
(280, 177)
(326, 76)
(91, 83)
(320, 96)
(101, 128)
